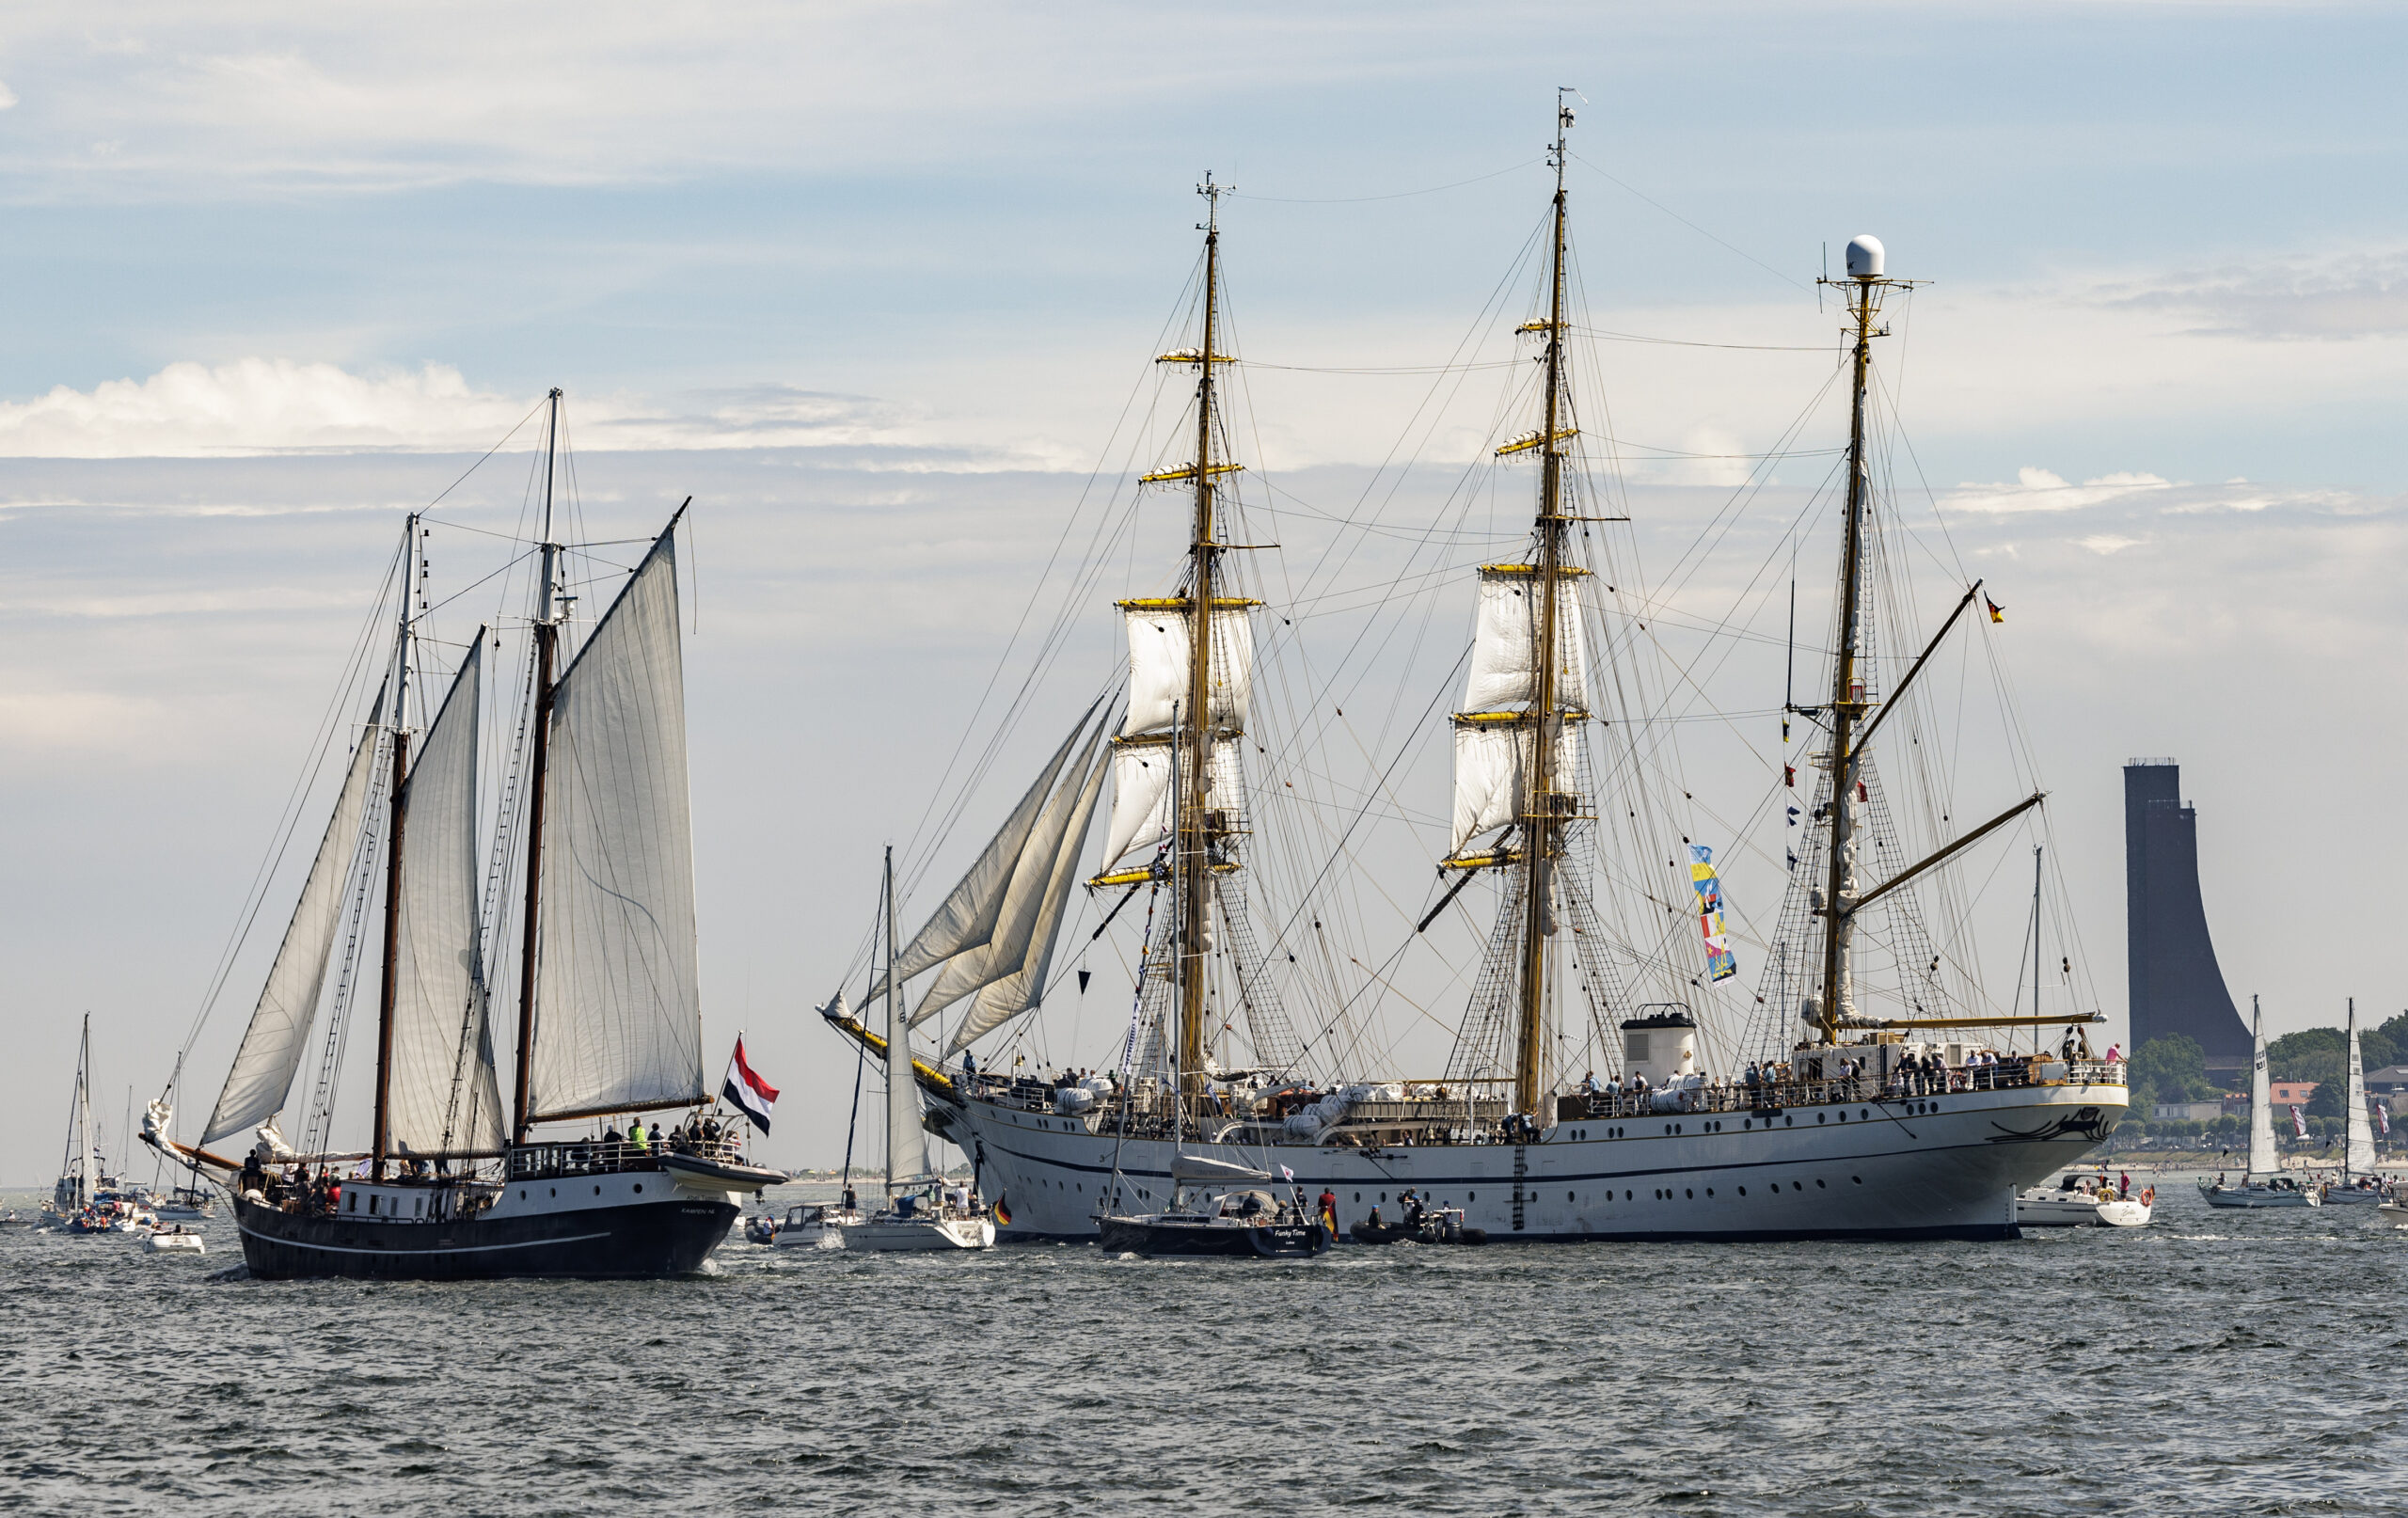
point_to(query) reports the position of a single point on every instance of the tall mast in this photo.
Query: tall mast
(390, 980)
(1541, 814)
(2035, 937)
(898, 1049)
(1848, 691)
(1195, 861)
(539, 744)
(83, 1163)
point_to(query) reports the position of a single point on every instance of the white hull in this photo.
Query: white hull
(1927, 1167)
(825, 1233)
(2350, 1197)
(175, 1244)
(888, 1233)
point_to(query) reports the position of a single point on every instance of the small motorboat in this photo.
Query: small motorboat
(1420, 1226)
(174, 1240)
(2080, 1201)
(814, 1226)
(1216, 1209)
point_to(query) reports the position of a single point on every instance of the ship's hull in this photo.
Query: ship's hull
(1157, 1235)
(1936, 1167)
(594, 1237)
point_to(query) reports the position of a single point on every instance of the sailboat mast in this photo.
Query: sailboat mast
(539, 745)
(389, 981)
(1195, 861)
(1847, 703)
(1542, 825)
(84, 1162)
(2035, 936)
(898, 1050)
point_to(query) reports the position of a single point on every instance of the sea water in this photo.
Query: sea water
(2211, 1362)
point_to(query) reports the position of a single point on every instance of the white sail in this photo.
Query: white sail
(907, 1143)
(263, 1067)
(1490, 761)
(1158, 671)
(1017, 992)
(2262, 1109)
(1025, 899)
(618, 1008)
(1504, 664)
(1142, 814)
(968, 915)
(86, 1172)
(443, 1095)
(2359, 1159)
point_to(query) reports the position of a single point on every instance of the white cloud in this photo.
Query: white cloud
(8, 97)
(278, 406)
(2038, 490)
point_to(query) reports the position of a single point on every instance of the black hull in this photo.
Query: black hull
(1285, 1241)
(641, 1241)
(1390, 1233)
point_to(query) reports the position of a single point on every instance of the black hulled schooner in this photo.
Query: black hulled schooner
(591, 863)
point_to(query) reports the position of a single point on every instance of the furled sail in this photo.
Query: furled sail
(618, 1007)
(1025, 900)
(271, 1051)
(1142, 814)
(1015, 993)
(907, 1143)
(966, 920)
(1504, 663)
(443, 1095)
(1158, 664)
(1490, 761)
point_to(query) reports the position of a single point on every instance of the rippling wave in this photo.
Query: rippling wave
(2239, 1363)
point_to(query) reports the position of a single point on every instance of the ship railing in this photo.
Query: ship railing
(1775, 1095)
(593, 1157)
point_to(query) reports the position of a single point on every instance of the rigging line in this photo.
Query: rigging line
(486, 454)
(1691, 342)
(1385, 369)
(513, 564)
(1693, 226)
(1365, 200)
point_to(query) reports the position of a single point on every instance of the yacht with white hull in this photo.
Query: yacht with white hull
(1887, 1123)
(2265, 1185)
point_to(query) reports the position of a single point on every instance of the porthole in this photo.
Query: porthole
(1798, 1185)
(597, 1191)
(1743, 1191)
(1471, 1196)
(1689, 1192)
(522, 1192)
(556, 1190)
(1677, 1128)
(1746, 1123)
(1569, 1196)
(1659, 1193)
(1788, 1121)
(1709, 1191)
(638, 1188)
(1819, 1117)
(1866, 1115)
(1859, 1180)
(1383, 1197)
(1843, 1117)
(1625, 1196)
(1359, 1197)
(1818, 1184)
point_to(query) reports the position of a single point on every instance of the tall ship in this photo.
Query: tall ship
(581, 876)
(1603, 1081)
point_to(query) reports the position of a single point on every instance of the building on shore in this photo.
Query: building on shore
(2175, 986)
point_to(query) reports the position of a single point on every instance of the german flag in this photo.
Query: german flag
(1998, 612)
(1004, 1210)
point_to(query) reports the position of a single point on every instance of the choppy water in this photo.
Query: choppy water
(2213, 1363)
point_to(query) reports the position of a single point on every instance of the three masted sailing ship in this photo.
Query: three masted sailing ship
(1848, 1124)
(594, 828)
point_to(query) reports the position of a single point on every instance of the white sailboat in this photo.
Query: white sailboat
(2359, 1186)
(921, 1212)
(2265, 1185)
(79, 1172)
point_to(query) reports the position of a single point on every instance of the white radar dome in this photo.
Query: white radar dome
(1865, 256)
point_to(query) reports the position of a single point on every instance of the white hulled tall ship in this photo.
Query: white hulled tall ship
(1853, 1122)
(591, 862)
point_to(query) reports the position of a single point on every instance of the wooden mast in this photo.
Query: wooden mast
(1195, 860)
(1541, 819)
(1846, 692)
(539, 744)
(390, 980)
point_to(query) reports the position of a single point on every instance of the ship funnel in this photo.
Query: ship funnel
(1865, 256)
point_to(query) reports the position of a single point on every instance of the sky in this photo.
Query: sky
(879, 285)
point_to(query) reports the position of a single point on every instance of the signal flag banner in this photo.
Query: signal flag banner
(2382, 1119)
(1998, 612)
(2299, 1123)
(1720, 963)
(748, 1090)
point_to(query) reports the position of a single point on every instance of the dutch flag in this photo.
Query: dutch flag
(748, 1090)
